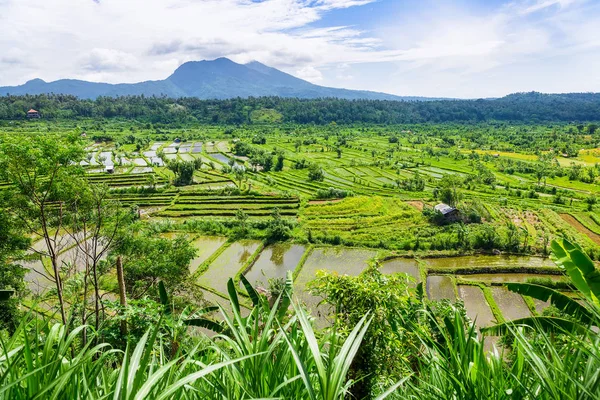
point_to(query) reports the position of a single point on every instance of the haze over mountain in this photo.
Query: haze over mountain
(216, 79)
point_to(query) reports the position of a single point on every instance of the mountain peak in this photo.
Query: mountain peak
(220, 78)
(35, 81)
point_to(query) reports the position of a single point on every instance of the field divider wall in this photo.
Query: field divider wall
(247, 266)
(302, 261)
(204, 266)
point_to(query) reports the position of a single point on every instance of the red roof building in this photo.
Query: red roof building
(33, 114)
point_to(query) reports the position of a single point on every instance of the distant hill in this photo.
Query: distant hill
(216, 79)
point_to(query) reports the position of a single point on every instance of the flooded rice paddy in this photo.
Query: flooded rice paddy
(407, 266)
(205, 247)
(220, 157)
(343, 261)
(488, 261)
(227, 264)
(440, 287)
(511, 304)
(274, 262)
(476, 306)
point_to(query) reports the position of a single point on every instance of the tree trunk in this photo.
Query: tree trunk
(59, 288)
(122, 294)
(85, 295)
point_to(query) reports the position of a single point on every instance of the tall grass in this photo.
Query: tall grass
(265, 354)
(533, 365)
(273, 352)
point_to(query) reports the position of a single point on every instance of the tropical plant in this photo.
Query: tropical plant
(577, 317)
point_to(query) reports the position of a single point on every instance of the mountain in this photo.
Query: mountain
(216, 79)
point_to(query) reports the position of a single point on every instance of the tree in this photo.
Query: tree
(241, 219)
(543, 167)
(512, 236)
(148, 259)
(152, 181)
(393, 332)
(449, 189)
(591, 200)
(184, 172)
(267, 163)
(45, 174)
(278, 228)
(315, 173)
(94, 224)
(279, 164)
(240, 173)
(12, 246)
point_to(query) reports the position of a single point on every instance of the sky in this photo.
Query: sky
(434, 48)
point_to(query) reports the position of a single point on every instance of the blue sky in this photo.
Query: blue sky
(465, 49)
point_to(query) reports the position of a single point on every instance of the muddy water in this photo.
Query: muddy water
(476, 306)
(489, 261)
(540, 306)
(220, 157)
(512, 277)
(205, 247)
(511, 304)
(274, 262)
(228, 264)
(37, 277)
(440, 287)
(402, 265)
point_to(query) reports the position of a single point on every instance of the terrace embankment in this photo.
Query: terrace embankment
(571, 220)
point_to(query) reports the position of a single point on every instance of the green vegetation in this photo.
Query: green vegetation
(519, 107)
(118, 247)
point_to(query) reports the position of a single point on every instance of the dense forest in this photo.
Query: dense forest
(519, 108)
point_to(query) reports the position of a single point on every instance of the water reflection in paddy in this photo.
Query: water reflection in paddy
(511, 304)
(489, 261)
(407, 266)
(205, 247)
(227, 264)
(274, 262)
(440, 287)
(476, 306)
(510, 277)
(341, 260)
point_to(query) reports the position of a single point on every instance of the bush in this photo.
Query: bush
(315, 173)
(332, 193)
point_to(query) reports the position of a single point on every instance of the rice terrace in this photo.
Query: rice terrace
(299, 199)
(353, 196)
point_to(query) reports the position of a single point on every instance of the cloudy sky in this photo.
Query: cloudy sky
(460, 48)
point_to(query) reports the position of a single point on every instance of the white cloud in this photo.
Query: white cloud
(436, 49)
(108, 38)
(310, 74)
(99, 60)
(539, 5)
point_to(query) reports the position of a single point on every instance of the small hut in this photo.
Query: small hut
(33, 114)
(450, 214)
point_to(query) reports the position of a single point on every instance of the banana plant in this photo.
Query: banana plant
(579, 266)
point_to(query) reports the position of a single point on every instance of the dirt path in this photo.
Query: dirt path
(571, 220)
(417, 204)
